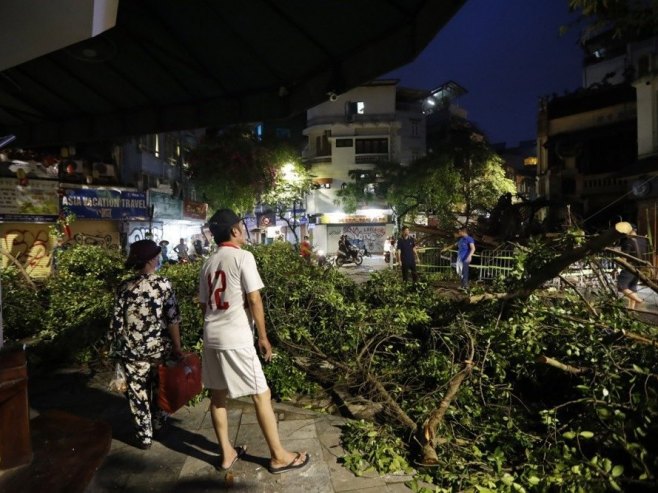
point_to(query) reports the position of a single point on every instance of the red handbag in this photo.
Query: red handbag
(180, 381)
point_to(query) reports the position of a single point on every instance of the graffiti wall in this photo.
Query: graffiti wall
(32, 245)
(372, 236)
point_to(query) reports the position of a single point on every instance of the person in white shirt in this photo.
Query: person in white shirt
(389, 252)
(229, 293)
(182, 251)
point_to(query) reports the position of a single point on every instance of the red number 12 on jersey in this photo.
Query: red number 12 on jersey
(219, 285)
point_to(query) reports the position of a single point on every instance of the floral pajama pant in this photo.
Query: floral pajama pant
(142, 393)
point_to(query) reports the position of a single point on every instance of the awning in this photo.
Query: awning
(173, 64)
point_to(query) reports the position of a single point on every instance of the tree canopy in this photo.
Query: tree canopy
(463, 176)
(630, 19)
(292, 182)
(232, 168)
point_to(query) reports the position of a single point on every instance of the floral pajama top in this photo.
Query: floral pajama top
(145, 307)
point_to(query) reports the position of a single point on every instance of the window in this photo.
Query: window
(148, 143)
(169, 148)
(344, 142)
(322, 145)
(371, 146)
(568, 186)
(353, 108)
(415, 128)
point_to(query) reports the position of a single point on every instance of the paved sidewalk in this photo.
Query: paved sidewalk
(184, 459)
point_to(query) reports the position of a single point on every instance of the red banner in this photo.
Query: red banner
(195, 210)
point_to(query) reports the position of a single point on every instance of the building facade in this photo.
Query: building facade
(346, 137)
(597, 147)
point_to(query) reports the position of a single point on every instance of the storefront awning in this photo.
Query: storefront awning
(172, 65)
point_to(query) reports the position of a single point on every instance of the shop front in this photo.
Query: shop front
(101, 216)
(369, 231)
(28, 211)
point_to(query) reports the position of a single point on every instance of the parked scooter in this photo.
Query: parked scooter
(324, 260)
(353, 256)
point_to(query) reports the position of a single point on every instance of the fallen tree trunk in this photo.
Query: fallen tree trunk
(19, 267)
(428, 439)
(554, 268)
(650, 283)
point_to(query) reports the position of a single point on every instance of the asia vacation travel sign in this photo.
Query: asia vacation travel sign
(33, 202)
(105, 203)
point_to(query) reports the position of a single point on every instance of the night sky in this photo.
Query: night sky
(506, 54)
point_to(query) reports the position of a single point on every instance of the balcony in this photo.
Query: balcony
(604, 184)
(343, 119)
(371, 158)
(317, 159)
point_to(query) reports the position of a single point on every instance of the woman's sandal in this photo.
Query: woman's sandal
(291, 466)
(241, 452)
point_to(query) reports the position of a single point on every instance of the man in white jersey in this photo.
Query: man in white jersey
(229, 293)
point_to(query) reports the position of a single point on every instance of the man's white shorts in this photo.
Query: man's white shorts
(237, 370)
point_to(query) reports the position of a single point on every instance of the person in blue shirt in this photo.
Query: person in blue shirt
(407, 255)
(465, 251)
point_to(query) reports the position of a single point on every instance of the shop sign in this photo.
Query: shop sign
(165, 206)
(195, 210)
(34, 202)
(266, 219)
(351, 219)
(99, 203)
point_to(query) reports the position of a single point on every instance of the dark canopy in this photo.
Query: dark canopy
(180, 64)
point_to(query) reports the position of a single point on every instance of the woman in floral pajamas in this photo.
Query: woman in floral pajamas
(144, 332)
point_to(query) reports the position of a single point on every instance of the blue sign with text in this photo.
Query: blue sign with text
(105, 204)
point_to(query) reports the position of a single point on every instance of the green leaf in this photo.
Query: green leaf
(586, 434)
(569, 435)
(614, 485)
(617, 471)
(507, 479)
(533, 480)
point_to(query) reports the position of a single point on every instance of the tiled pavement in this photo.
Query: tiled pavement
(184, 459)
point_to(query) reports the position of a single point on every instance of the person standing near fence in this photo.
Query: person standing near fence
(407, 255)
(465, 251)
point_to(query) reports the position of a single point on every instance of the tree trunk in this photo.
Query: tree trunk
(428, 439)
(553, 268)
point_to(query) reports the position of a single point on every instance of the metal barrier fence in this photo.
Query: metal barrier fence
(488, 265)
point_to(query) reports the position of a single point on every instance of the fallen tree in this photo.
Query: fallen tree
(495, 393)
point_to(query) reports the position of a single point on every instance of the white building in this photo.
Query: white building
(347, 136)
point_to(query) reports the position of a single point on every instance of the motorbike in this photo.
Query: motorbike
(323, 260)
(354, 256)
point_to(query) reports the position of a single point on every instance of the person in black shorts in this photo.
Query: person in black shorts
(636, 246)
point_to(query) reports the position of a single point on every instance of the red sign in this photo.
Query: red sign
(195, 210)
